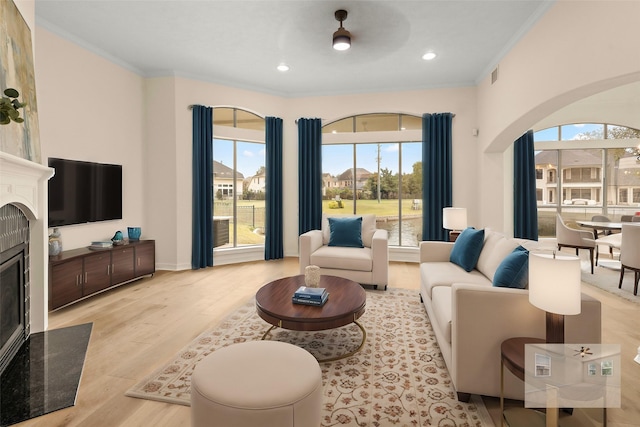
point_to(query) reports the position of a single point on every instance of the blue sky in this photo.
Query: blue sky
(568, 132)
(338, 158)
(335, 158)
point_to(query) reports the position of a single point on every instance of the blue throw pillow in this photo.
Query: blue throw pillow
(466, 250)
(513, 271)
(346, 232)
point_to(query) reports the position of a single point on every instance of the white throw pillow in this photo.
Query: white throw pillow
(496, 248)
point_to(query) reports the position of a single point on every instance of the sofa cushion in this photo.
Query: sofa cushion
(467, 247)
(436, 274)
(368, 227)
(442, 310)
(342, 258)
(346, 232)
(496, 247)
(513, 271)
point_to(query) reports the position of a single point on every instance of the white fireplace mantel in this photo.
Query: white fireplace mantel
(24, 183)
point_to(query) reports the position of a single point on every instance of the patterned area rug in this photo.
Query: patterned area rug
(398, 378)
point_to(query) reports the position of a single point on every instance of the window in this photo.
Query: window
(622, 195)
(603, 178)
(238, 180)
(382, 178)
(539, 173)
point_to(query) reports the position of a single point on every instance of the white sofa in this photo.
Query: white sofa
(368, 265)
(471, 317)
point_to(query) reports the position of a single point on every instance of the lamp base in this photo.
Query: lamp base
(453, 235)
(555, 328)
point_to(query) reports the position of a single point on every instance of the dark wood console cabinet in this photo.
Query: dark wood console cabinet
(79, 273)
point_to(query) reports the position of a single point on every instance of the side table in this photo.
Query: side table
(512, 357)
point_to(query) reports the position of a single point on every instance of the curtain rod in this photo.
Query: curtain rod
(190, 107)
(321, 119)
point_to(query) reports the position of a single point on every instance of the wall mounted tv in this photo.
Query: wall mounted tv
(82, 192)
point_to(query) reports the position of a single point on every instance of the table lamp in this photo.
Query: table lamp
(455, 220)
(554, 286)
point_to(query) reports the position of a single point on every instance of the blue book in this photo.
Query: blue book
(307, 301)
(305, 292)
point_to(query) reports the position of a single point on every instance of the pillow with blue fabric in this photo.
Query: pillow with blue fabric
(346, 232)
(467, 247)
(513, 271)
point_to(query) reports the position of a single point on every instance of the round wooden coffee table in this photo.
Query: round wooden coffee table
(345, 305)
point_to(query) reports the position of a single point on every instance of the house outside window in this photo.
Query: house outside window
(599, 172)
(382, 177)
(539, 173)
(238, 179)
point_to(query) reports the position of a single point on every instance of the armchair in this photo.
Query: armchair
(367, 265)
(572, 238)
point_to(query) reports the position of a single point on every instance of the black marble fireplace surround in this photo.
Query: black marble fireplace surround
(44, 376)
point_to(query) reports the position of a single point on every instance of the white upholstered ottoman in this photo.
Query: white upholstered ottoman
(257, 383)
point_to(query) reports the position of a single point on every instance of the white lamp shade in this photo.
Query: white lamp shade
(454, 218)
(554, 283)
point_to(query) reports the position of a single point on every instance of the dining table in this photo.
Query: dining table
(600, 225)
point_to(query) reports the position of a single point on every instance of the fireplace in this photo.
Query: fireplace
(23, 252)
(14, 282)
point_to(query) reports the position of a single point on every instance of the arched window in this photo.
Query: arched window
(238, 178)
(379, 174)
(586, 169)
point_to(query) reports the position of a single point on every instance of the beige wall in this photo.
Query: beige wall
(145, 124)
(91, 110)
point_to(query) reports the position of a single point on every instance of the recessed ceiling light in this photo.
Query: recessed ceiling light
(283, 67)
(428, 56)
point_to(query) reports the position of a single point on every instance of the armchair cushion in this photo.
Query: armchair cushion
(346, 232)
(467, 247)
(341, 258)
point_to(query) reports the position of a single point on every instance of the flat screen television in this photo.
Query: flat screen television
(82, 192)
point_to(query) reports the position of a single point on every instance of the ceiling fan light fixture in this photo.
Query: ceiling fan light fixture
(429, 56)
(342, 37)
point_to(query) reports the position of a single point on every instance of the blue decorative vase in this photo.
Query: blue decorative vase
(134, 233)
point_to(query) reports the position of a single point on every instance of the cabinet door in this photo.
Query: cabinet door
(66, 283)
(97, 272)
(145, 258)
(122, 265)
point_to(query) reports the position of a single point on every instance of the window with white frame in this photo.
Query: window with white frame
(599, 168)
(238, 166)
(382, 177)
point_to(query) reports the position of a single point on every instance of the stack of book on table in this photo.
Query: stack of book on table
(310, 296)
(101, 245)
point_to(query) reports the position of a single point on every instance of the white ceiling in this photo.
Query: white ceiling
(240, 43)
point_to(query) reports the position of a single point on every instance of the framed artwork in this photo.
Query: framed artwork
(17, 72)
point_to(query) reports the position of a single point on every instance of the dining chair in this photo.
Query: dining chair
(630, 254)
(578, 239)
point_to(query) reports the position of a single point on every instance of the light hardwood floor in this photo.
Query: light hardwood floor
(139, 326)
